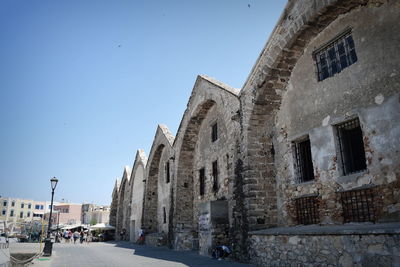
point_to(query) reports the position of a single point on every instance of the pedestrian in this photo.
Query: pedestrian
(65, 234)
(89, 237)
(140, 240)
(123, 233)
(76, 236)
(70, 235)
(221, 252)
(82, 235)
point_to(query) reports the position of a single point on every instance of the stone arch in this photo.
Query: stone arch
(137, 194)
(121, 211)
(114, 204)
(184, 189)
(151, 196)
(261, 98)
(207, 94)
(161, 145)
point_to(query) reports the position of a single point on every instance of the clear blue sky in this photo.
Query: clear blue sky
(84, 83)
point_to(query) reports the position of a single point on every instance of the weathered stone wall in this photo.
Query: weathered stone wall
(326, 249)
(137, 194)
(122, 201)
(114, 204)
(157, 192)
(210, 101)
(301, 22)
(311, 107)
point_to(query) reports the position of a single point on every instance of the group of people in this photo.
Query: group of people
(82, 236)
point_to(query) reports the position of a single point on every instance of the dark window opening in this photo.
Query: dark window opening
(12, 204)
(3, 212)
(336, 56)
(5, 203)
(12, 213)
(202, 181)
(304, 165)
(351, 147)
(215, 175)
(22, 205)
(358, 205)
(21, 214)
(214, 132)
(164, 215)
(307, 210)
(167, 172)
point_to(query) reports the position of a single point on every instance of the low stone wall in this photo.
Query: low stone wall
(352, 245)
(156, 239)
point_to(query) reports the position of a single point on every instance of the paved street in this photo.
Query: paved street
(124, 254)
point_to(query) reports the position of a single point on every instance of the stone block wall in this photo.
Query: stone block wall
(322, 249)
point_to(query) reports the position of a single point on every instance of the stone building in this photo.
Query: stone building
(123, 208)
(302, 164)
(138, 181)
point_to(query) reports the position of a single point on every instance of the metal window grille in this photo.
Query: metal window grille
(202, 181)
(335, 56)
(307, 210)
(214, 132)
(304, 165)
(215, 175)
(351, 146)
(358, 205)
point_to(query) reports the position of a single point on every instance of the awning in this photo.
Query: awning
(101, 226)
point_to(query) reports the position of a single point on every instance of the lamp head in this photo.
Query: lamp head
(54, 182)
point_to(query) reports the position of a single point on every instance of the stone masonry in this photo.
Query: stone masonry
(300, 166)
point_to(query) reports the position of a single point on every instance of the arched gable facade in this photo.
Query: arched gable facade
(203, 165)
(114, 203)
(137, 184)
(158, 183)
(123, 204)
(299, 105)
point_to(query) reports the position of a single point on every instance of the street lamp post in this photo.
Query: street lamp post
(48, 245)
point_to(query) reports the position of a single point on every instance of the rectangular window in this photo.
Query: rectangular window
(303, 161)
(214, 132)
(37, 207)
(164, 215)
(335, 56)
(358, 205)
(4, 203)
(307, 210)
(351, 147)
(29, 214)
(22, 205)
(167, 172)
(3, 213)
(21, 214)
(29, 206)
(202, 179)
(12, 213)
(13, 204)
(215, 175)
(41, 207)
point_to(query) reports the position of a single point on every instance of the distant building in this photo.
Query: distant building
(67, 213)
(16, 210)
(93, 214)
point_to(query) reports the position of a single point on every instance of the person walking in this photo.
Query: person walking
(140, 240)
(76, 236)
(82, 235)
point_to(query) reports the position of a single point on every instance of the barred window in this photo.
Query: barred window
(351, 147)
(307, 210)
(358, 205)
(335, 56)
(303, 161)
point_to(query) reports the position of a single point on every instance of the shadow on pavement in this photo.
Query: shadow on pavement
(189, 258)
